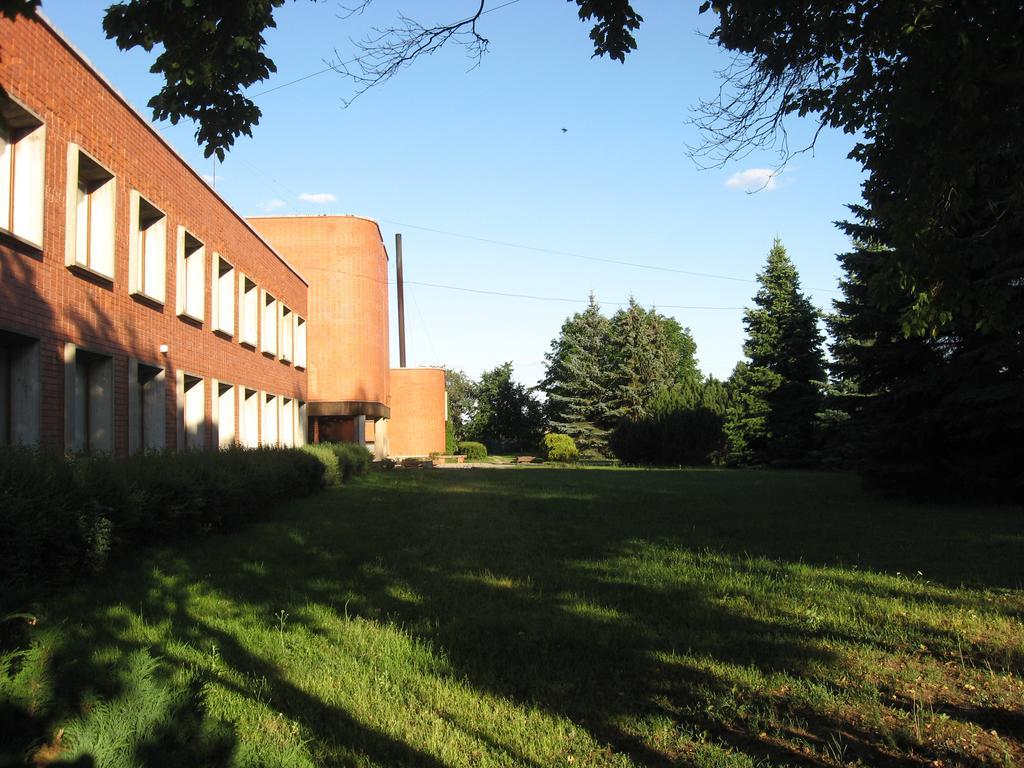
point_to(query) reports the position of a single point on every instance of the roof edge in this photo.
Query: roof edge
(328, 216)
(46, 22)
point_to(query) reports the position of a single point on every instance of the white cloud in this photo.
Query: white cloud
(753, 180)
(271, 205)
(320, 198)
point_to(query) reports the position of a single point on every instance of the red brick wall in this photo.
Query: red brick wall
(416, 427)
(41, 297)
(347, 267)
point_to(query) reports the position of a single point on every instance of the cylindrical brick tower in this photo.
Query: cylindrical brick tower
(346, 264)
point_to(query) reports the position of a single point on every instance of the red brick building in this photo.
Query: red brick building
(353, 393)
(138, 310)
(415, 393)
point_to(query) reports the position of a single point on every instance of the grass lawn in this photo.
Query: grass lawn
(545, 617)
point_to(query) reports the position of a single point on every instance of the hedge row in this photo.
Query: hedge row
(672, 436)
(342, 461)
(62, 517)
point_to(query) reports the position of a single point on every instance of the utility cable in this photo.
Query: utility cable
(505, 294)
(620, 262)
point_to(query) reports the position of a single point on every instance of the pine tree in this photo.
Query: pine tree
(641, 361)
(682, 354)
(777, 395)
(714, 395)
(576, 380)
(932, 414)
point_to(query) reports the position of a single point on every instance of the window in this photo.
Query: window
(249, 419)
(270, 419)
(22, 150)
(191, 280)
(301, 436)
(224, 410)
(269, 324)
(90, 215)
(300, 342)
(147, 416)
(248, 312)
(19, 389)
(147, 249)
(287, 422)
(287, 333)
(88, 400)
(223, 296)
(191, 411)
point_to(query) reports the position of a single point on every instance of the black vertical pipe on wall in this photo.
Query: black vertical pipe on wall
(401, 301)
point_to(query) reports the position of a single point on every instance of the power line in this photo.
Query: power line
(557, 298)
(547, 251)
(300, 79)
(505, 294)
(505, 244)
(423, 323)
(334, 67)
(620, 262)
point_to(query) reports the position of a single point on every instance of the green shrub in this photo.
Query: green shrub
(473, 451)
(49, 530)
(341, 461)
(63, 516)
(323, 453)
(451, 444)
(353, 460)
(556, 447)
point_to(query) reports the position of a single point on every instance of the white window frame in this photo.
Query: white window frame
(20, 389)
(248, 311)
(286, 431)
(249, 412)
(147, 407)
(270, 405)
(22, 172)
(222, 295)
(191, 405)
(224, 410)
(301, 422)
(269, 324)
(147, 249)
(91, 215)
(286, 322)
(300, 341)
(89, 404)
(190, 283)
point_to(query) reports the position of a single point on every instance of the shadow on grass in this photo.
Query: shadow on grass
(515, 580)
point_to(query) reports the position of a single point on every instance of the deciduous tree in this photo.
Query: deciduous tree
(210, 52)
(459, 389)
(507, 416)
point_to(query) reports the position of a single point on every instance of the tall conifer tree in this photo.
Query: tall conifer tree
(576, 380)
(940, 413)
(778, 393)
(600, 371)
(641, 361)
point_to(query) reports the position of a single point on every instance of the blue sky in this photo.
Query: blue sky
(481, 153)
